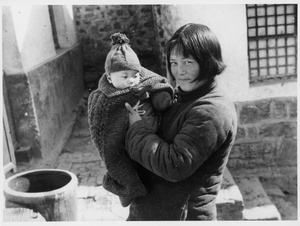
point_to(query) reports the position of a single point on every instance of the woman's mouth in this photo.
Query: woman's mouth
(184, 80)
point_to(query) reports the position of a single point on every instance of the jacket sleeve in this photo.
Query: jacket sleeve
(161, 100)
(178, 160)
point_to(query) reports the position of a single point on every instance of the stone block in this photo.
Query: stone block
(264, 108)
(252, 133)
(287, 153)
(241, 133)
(286, 208)
(99, 180)
(279, 129)
(292, 105)
(248, 114)
(235, 152)
(273, 190)
(257, 205)
(287, 184)
(64, 166)
(24, 154)
(23, 111)
(229, 201)
(255, 111)
(279, 108)
(253, 154)
(252, 150)
(82, 192)
(18, 214)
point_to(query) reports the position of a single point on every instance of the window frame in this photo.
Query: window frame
(277, 61)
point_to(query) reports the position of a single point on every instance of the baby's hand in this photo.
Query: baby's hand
(133, 113)
(137, 108)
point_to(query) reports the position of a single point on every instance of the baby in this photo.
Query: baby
(124, 80)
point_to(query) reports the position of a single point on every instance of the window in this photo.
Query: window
(272, 41)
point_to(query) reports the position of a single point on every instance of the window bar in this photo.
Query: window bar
(296, 34)
(248, 32)
(276, 39)
(257, 41)
(285, 40)
(267, 48)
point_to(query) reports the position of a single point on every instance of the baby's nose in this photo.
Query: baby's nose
(130, 80)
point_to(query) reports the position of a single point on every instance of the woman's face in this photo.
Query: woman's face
(185, 70)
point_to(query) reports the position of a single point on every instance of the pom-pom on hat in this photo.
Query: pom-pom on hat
(121, 56)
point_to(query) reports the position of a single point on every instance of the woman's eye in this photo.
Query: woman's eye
(188, 62)
(173, 63)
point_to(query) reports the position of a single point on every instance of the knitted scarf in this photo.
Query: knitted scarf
(108, 121)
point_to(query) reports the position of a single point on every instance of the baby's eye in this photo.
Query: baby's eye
(188, 62)
(173, 63)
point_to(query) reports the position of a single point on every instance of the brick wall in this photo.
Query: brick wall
(267, 134)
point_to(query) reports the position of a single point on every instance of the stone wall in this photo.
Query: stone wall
(266, 141)
(57, 87)
(44, 81)
(96, 23)
(165, 25)
(44, 113)
(24, 126)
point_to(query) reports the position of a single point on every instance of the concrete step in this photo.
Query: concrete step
(257, 205)
(97, 204)
(285, 206)
(81, 127)
(24, 154)
(229, 201)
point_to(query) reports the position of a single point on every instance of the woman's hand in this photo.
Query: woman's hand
(133, 113)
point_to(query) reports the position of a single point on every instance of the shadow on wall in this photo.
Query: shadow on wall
(46, 84)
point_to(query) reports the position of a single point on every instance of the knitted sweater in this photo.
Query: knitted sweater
(108, 120)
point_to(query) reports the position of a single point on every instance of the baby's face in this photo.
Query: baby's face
(124, 79)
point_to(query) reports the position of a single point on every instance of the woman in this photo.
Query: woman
(183, 164)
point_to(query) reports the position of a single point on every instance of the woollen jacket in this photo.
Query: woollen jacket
(108, 122)
(182, 165)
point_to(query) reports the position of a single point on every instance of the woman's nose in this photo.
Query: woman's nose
(181, 70)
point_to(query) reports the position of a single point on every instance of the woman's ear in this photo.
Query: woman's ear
(108, 76)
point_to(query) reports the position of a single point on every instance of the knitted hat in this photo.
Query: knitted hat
(121, 56)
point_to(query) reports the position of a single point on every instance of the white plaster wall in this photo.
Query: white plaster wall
(283, 89)
(11, 63)
(66, 32)
(34, 34)
(229, 24)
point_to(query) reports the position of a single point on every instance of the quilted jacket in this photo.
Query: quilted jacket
(183, 164)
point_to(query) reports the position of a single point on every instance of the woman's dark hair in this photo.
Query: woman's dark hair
(198, 41)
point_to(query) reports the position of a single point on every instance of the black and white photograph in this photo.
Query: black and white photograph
(157, 112)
